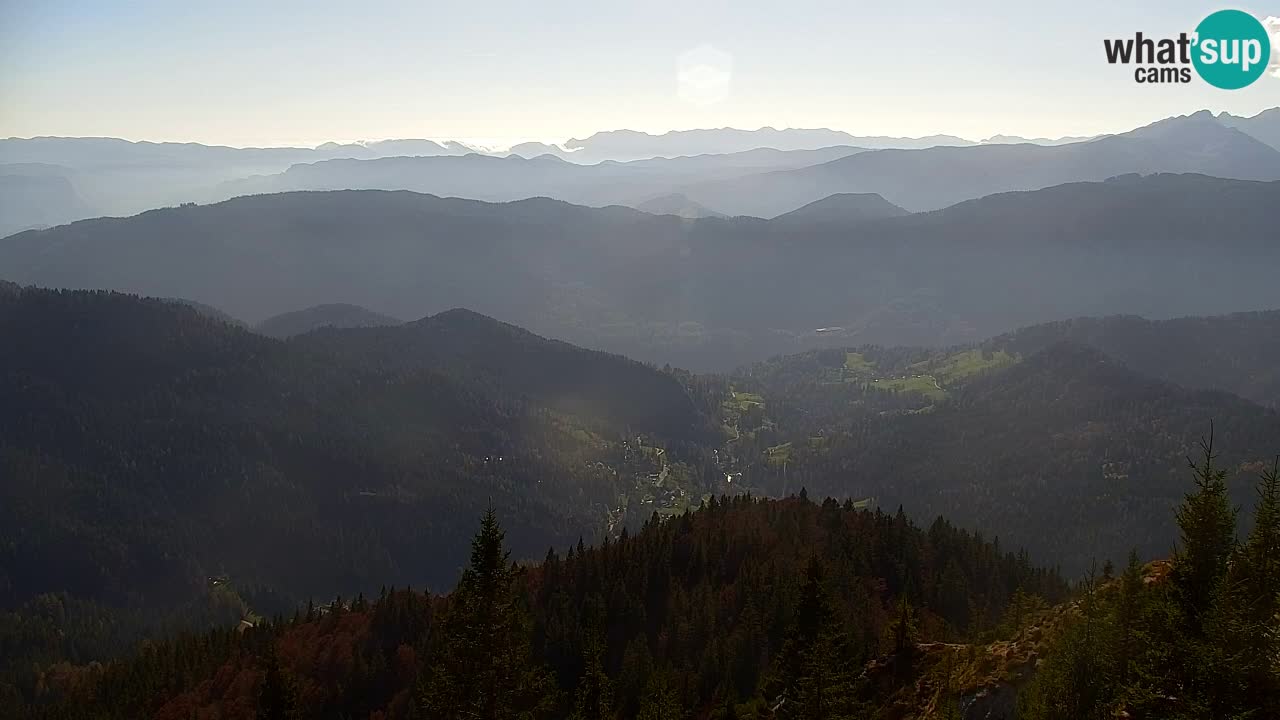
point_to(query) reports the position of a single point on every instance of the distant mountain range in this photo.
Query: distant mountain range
(1265, 126)
(766, 184)
(50, 181)
(110, 176)
(495, 179)
(702, 293)
(941, 176)
(635, 145)
(90, 153)
(1017, 140)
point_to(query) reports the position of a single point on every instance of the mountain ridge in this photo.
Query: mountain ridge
(933, 178)
(591, 275)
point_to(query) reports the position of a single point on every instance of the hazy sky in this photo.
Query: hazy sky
(273, 73)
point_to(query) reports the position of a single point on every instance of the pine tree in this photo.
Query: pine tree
(1260, 557)
(1264, 548)
(483, 668)
(954, 595)
(903, 631)
(1077, 681)
(1243, 626)
(814, 680)
(661, 701)
(1127, 616)
(278, 697)
(1200, 645)
(594, 697)
(1208, 525)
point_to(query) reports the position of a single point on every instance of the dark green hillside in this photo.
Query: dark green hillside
(1068, 452)
(1239, 353)
(625, 395)
(209, 311)
(146, 448)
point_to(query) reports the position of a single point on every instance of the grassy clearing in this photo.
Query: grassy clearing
(963, 364)
(778, 454)
(585, 436)
(857, 365)
(922, 384)
(744, 401)
(679, 508)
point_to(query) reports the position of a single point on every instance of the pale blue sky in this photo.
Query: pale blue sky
(271, 73)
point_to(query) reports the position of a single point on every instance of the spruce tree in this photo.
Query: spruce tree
(1244, 625)
(813, 678)
(278, 697)
(483, 668)
(661, 700)
(1127, 617)
(1260, 557)
(1077, 682)
(1208, 526)
(594, 697)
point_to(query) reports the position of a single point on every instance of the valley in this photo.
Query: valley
(779, 424)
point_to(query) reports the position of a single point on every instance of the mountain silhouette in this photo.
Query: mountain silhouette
(936, 177)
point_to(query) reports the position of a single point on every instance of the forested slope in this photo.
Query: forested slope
(739, 603)
(146, 448)
(1239, 353)
(762, 609)
(1068, 452)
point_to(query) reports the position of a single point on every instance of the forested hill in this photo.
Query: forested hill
(1239, 353)
(842, 209)
(208, 311)
(339, 315)
(1068, 452)
(739, 604)
(147, 448)
(510, 361)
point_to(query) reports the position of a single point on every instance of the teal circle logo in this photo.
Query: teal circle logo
(1232, 49)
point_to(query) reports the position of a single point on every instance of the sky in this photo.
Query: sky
(270, 73)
